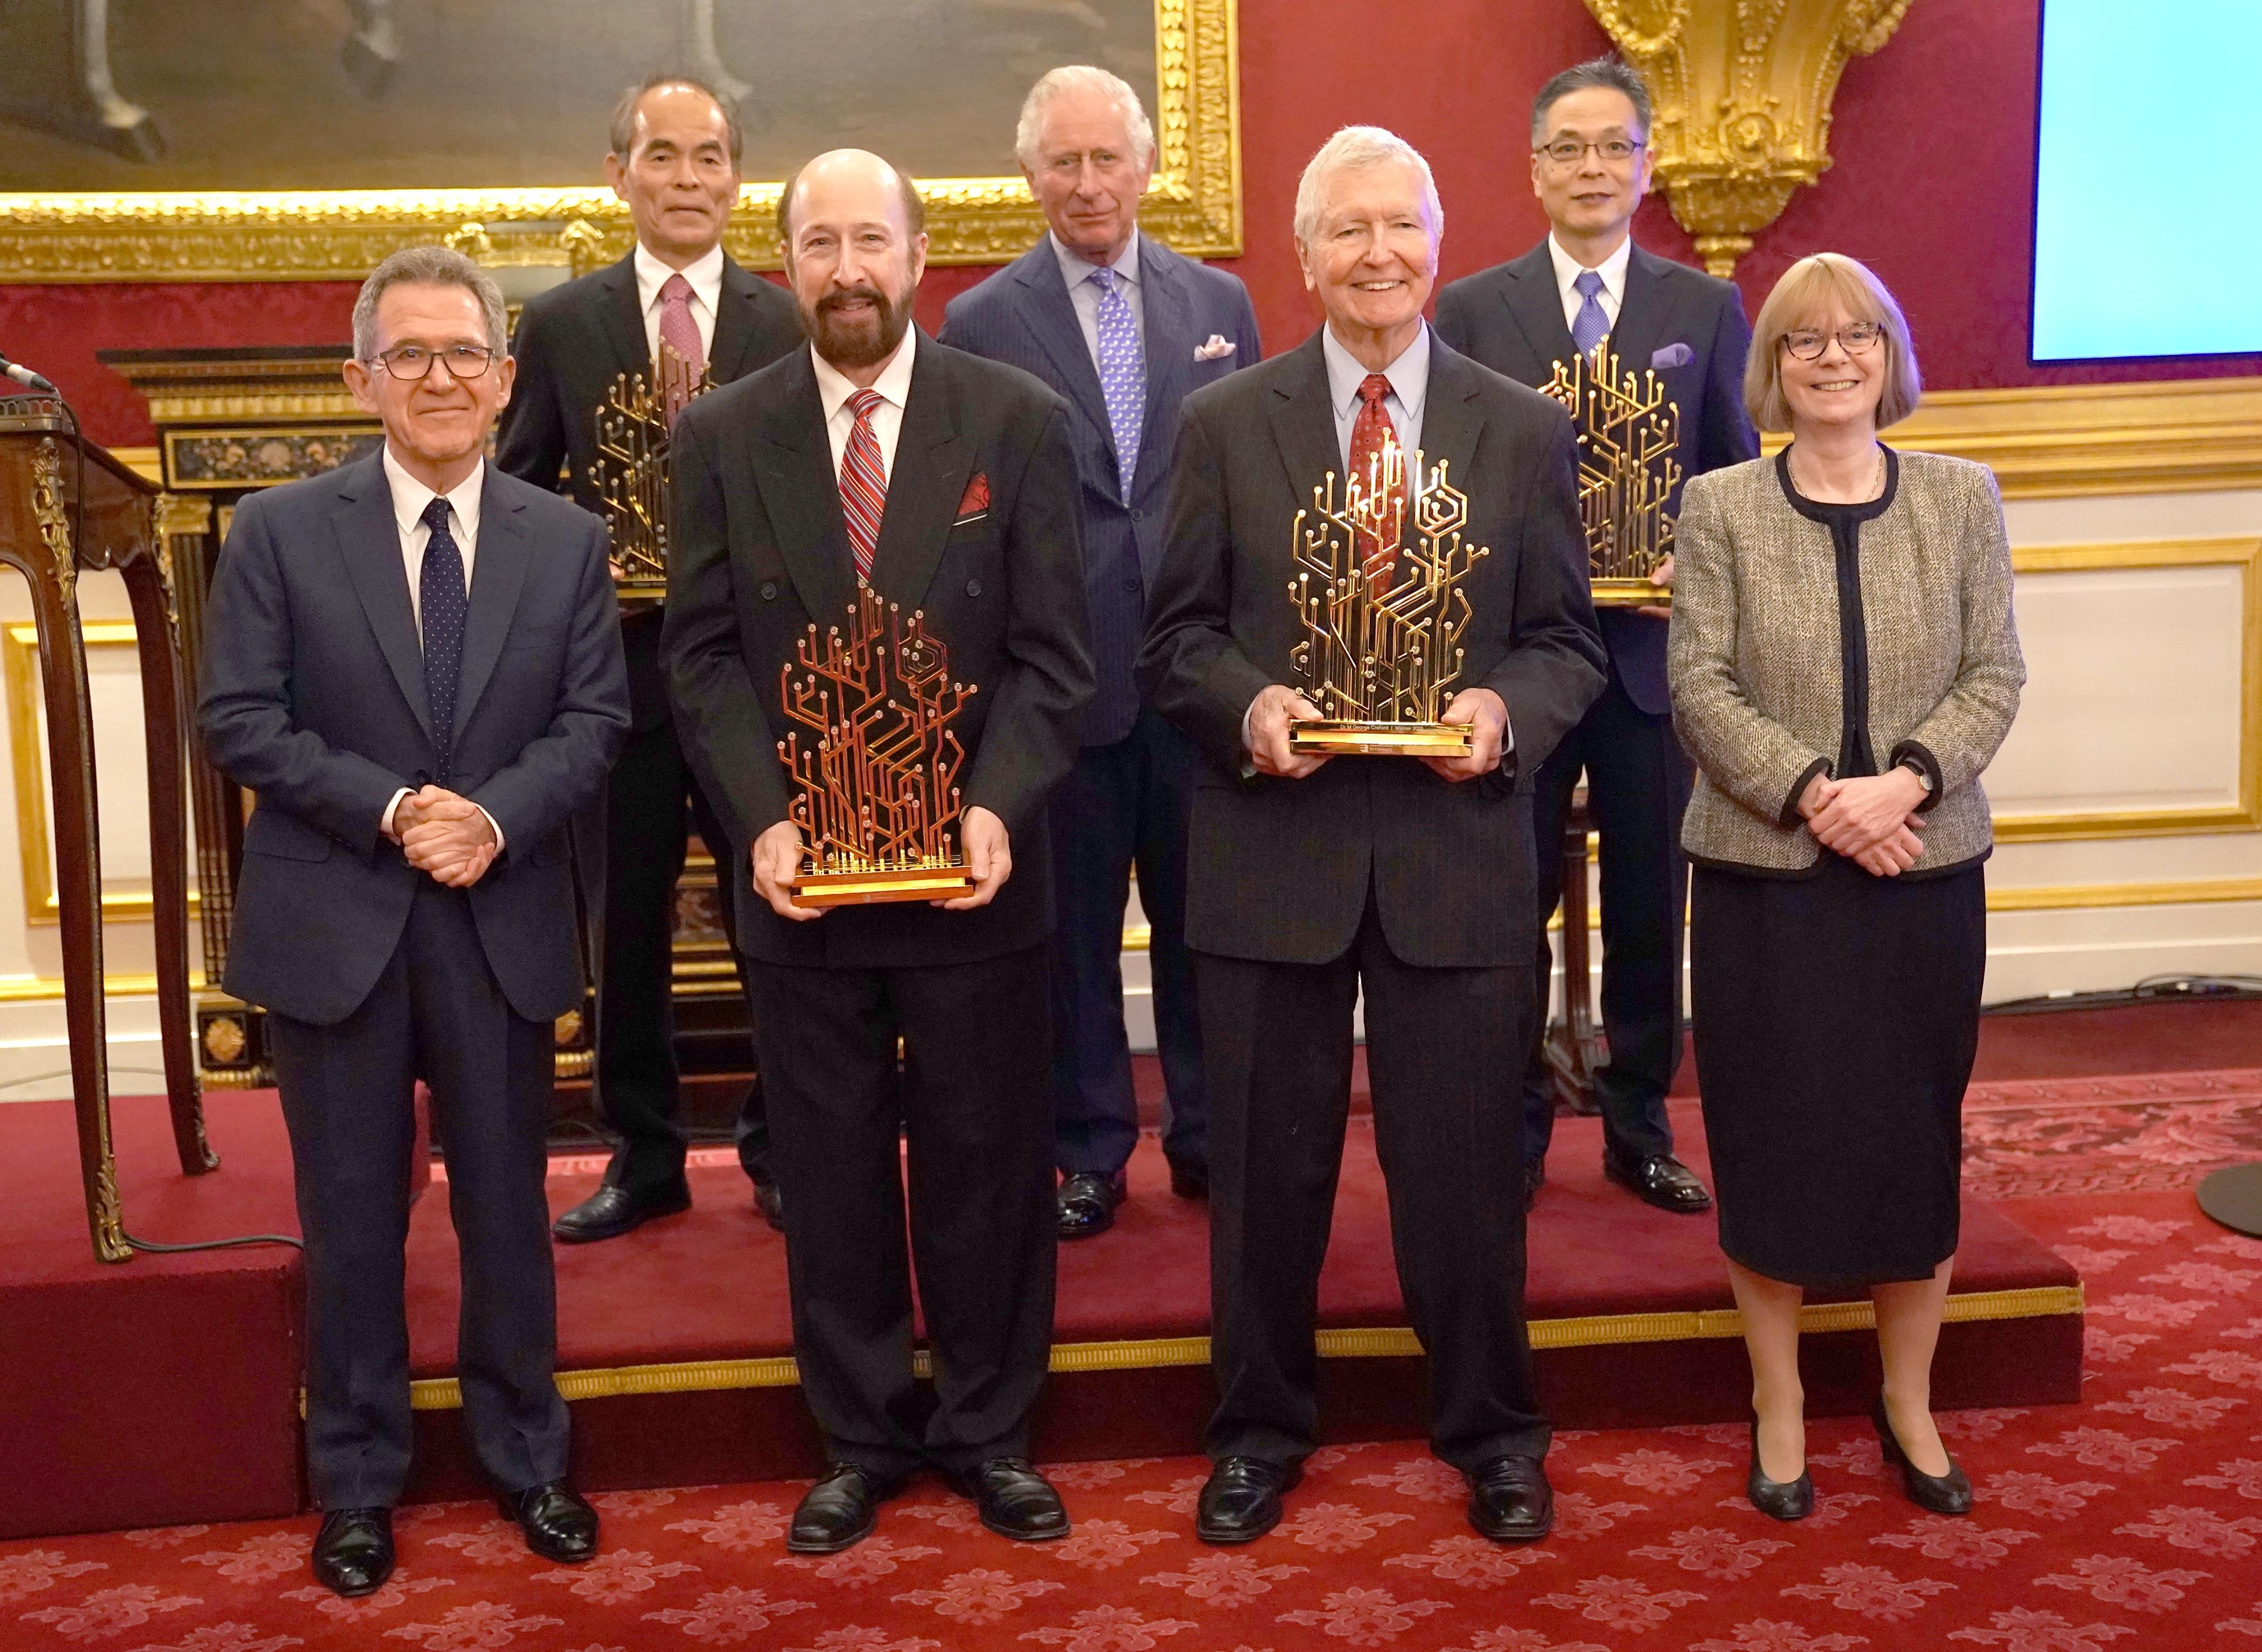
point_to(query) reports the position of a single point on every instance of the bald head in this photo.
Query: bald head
(860, 178)
(854, 250)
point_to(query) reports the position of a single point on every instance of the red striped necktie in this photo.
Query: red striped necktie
(863, 483)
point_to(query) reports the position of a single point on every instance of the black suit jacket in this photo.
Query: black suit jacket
(1279, 869)
(313, 699)
(1511, 318)
(1022, 315)
(572, 341)
(761, 553)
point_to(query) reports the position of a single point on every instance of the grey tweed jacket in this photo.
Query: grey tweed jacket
(1757, 668)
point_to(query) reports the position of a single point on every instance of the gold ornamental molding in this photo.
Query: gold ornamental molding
(1742, 89)
(1194, 206)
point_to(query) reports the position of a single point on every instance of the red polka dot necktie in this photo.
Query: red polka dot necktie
(1377, 466)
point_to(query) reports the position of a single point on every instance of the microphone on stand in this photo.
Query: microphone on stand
(27, 378)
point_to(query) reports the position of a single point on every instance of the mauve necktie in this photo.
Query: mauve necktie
(1372, 435)
(863, 483)
(1122, 372)
(441, 603)
(680, 335)
(1590, 326)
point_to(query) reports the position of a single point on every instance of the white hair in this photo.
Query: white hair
(1354, 149)
(1081, 78)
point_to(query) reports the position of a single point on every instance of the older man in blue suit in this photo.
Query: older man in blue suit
(1124, 329)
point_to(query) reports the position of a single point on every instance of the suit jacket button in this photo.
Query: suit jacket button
(770, 590)
(972, 587)
(1137, 516)
(1131, 584)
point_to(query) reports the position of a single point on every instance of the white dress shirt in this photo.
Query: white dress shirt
(894, 385)
(410, 499)
(705, 275)
(1409, 389)
(1612, 269)
(1084, 293)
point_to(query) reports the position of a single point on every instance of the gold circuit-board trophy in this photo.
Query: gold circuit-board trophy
(630, 473)
(1379, 654)
(874, 791)
(1629, 434)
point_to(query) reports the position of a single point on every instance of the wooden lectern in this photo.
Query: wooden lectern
(43, 465)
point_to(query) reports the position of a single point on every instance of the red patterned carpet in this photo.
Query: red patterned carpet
(2132, 1521)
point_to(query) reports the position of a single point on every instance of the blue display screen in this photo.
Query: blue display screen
(2147, 242)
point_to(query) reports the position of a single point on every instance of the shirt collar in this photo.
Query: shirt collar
(1612, 269)
(894, 382)
(1075, 268)
(705, 273)
(1409, 375)
(411, 496)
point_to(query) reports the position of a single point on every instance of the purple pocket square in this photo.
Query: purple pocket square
(1671, 357)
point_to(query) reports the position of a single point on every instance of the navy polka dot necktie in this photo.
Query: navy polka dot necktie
(442, 603)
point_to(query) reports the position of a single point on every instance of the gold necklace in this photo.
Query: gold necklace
(1877, 481)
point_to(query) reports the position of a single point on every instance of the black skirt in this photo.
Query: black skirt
(1836, 1019)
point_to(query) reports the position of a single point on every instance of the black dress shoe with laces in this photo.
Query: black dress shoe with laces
(839, 1510)
(1663, 1181)
(1014, 1500)
(1778, 1499)
(1190, 1178)
(1240, 1500)
(1509, 1501)
(353, 1552)
(770, 1204)
(558, 1525)
(1949, 1493)
(1087, 1202)
(611, 1211)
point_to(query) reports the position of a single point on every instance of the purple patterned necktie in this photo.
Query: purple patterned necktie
(1592, 325)
(683, 360)
(1122, 372)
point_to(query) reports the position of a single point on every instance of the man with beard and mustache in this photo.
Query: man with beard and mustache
(947, 484)
(674, 160)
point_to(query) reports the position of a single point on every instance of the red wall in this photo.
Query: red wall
(1934, 187)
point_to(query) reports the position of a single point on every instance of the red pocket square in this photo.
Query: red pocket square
(976, 498)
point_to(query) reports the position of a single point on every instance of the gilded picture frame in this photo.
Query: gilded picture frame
(1194, 204)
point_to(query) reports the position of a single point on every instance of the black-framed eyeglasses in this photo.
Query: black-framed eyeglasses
(1856, 338)
(412, 361)
(1568, 152)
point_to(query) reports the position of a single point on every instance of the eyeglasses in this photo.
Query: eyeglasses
(409, 362)
(1856, 338)
(1567, 152)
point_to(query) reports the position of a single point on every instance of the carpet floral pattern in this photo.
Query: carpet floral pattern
(2130, 1522)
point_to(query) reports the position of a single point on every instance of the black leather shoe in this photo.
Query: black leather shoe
(771, 1204)
(1535, 1176)
(1510, 1501)
(1087, 1202)
(558, 1524)
(1663, 1181)
(1780, 1499)
(839, 1510)
(1949, 1493)
(353, 1552)
(1190, 1178)
(1014, 1500)
(611, 1211)
(1240, 1499)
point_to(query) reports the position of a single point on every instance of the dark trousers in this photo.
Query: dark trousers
(971, 1110)
(1638, 781)
(1123, 805)
(1278, 1038)
(651, 803)
(437, 1014)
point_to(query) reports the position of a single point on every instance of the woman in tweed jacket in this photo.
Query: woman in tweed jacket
(1844, 665)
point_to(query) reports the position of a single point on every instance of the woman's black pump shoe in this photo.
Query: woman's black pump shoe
(1949, 1493)
(1780, 1499)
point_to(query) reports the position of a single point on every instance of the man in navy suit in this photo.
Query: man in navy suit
(1590, 167)
(413, 662)
(1124, 329)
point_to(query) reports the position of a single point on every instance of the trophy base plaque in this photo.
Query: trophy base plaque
(878, 884)
(1381, 739)
(1631, 593)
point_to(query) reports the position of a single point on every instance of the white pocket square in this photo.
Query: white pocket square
(1218, 347)
(1671, 357)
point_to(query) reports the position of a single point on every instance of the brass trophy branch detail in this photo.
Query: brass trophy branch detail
(874, 789)
(631, 475)
(1628, 436)
(1378, 664)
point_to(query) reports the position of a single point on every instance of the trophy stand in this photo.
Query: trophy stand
(1629, 434)
(631, 474)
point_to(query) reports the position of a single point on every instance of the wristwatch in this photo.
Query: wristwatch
(1923, 774)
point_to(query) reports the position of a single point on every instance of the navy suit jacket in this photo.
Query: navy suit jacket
(1511, 318)
(313, 699)
(1022, 315)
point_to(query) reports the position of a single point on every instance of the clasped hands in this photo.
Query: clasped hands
(1277, 706)
(445, 835)
(1872, 820)
(776, 861)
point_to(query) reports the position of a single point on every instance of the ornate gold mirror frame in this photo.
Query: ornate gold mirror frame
(1742, 89)
(1194, 206)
